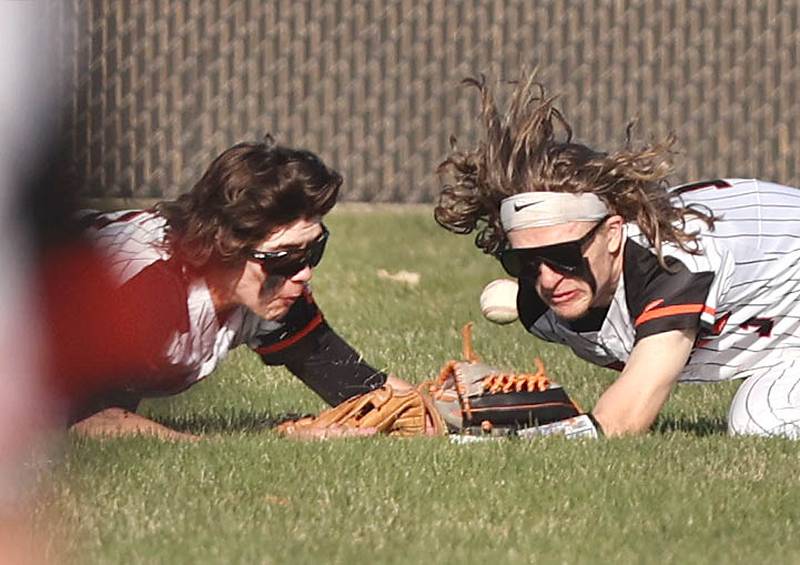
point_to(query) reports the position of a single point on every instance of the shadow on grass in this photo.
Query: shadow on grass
(234, 422)
(700, 426)
(255, 422)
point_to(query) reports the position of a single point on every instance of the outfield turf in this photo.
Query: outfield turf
(686, 493)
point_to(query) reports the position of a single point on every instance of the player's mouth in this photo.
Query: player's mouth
(559, 298)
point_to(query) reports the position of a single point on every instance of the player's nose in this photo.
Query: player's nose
(303, 275)
(549, 277)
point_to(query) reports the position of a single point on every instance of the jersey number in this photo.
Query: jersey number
(763, 326)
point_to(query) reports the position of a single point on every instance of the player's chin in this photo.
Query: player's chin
(571, 310)
(569, 315)
(274, 310)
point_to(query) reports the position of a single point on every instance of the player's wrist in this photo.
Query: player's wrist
(397, 383)
(597, 426)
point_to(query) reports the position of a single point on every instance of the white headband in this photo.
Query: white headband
(536, 209)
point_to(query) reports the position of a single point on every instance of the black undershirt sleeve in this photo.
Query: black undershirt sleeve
(328, 365)
(317, 355)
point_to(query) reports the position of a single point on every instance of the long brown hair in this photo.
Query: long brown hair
(530, 148)
(248, 191)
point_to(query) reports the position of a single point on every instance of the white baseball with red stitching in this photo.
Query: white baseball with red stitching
(499, 301)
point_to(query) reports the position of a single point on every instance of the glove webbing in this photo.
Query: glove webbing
(493, 383)
(517, 382)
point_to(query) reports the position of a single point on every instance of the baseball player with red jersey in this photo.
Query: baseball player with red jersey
(226, 264)
(695, 283)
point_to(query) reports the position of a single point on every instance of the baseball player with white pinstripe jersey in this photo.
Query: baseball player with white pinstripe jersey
(696, 283)
(226, 264)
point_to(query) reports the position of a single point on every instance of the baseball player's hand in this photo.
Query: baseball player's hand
(117, 422)
(398, 384)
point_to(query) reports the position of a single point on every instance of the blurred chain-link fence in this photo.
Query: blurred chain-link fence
(158, 88)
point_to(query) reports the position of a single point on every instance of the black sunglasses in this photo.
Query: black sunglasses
(289, 262)
(566, 258)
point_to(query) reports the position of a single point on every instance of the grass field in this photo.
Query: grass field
(686, 493)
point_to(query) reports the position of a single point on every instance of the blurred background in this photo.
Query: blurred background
(156, 89)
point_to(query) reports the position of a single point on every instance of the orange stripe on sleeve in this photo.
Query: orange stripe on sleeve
(677, 310)
(275, 347)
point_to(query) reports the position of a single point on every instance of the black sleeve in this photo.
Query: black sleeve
(318, 356)
(659, 299)
(328, 365)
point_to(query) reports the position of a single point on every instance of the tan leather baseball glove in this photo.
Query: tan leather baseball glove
(384, 410)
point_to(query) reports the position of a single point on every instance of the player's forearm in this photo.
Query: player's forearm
(632, 403)
(328, 365)
(620, 413)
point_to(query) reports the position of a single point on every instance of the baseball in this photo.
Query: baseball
(499, 301)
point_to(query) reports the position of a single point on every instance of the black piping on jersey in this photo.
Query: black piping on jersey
(705, 363)
(772, 303)
(743, 234)
(753, 281)
(736, 207)
(786, 347)
(763, 206)
(791, 390)
(716, 183)
(757, 261)
(654, 295)
(779, 193)
(729, 197)
(770, 220)
(745, 374)
(99, 220)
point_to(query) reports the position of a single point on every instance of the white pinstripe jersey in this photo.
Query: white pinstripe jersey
(133, 241)
(742, 293)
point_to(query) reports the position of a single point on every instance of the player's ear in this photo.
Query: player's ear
(614, 233)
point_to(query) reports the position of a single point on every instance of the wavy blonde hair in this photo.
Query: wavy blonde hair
(530, 148)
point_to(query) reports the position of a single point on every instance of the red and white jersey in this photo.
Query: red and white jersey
(742, 293)
(195, 339)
